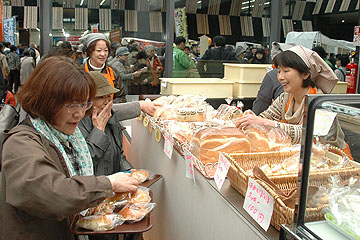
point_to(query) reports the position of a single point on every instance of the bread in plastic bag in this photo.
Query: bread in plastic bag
(142, 195)
(103, 222)
(142, 175)
(136, 212)
(104, 207)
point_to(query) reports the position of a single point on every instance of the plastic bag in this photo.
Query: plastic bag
(142, 175)
(100, 222)
(104, 207)
(136, 212)
(142, 195)
(227, 112)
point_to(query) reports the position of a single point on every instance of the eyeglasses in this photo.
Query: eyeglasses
(79, 106)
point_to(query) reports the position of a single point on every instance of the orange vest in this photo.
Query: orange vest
(109, 75)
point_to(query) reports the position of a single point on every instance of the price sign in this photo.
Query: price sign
(157, 135)
(221, 171)
(146, 121)
(259, 204)
(168, 145)
(150, 127)
(189, 167)
(323, 122)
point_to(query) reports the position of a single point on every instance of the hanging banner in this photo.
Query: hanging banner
(9, 30)
(356, 36)
(1, 22)
(180, 23)
(94, 28)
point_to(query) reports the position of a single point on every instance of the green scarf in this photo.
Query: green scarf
(76, 139)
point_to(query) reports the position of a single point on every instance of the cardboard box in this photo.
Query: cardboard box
(207, 87)
(340, 87)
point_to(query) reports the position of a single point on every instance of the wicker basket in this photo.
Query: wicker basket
(283, 214)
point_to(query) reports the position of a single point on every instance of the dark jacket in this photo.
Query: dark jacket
(214, 59)
(269, 90)
(105, 147)
(37, 194)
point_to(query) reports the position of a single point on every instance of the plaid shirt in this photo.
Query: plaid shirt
(13, 61)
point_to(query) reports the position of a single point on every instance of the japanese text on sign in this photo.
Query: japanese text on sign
(189, 167)
(221, 170)
(259, 204)
(168, 145)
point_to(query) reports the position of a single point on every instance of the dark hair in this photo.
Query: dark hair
(13, 48)
(141, 55)
(92, 45)
(219, 41)
(187, 47)
(65, 45)
(211, 45)
(55, 82)
(179, 40)
(343, 59)
(64, 52)
(7, 44)
(1, 48)
(320, 50)
(292, 60)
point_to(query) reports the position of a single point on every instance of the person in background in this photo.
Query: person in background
(6, 97)
(195, 50)
(300, 71)
(120, 65)
(141, 84)
(187, 50)
(239, 54)
(27, 66)
(181, 61)
(323, 54)
(97, 48)
(65, 45)
(332, 59)
(47, 170)
(259, 57)
(113, 47)
(3, 63)
(37, 53)
(156, 68)
(213, 59)
(6, 47)
(13, 61)
(341, 62)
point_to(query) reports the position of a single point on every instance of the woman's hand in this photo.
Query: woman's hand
(101, 119)
(123, 182)
(149, 107)
(249, 117)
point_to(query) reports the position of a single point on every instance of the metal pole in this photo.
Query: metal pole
(45, 13)
(275, 21)
(358, 63)
(170, 27)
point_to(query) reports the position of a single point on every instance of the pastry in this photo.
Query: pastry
(133, 212)
(140, 196)
(99, 222)
(140, 175)
(103, 208)
(119, 197)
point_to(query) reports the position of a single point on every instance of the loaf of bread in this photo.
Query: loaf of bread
(140, 174)
(140, 196)
(134, 212)
(104, 207)
(100, 222)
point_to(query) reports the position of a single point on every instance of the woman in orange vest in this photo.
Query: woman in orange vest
(97, 50)
(301, 71)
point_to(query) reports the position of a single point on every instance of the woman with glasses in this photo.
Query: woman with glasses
(47, 173)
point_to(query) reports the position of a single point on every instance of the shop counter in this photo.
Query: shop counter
(188, 210)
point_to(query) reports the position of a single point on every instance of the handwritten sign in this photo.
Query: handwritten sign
(189, 167)
(323, 122)
(157, 135)
(356, 41)
(259, 204)
(221, 171)
(168, 145)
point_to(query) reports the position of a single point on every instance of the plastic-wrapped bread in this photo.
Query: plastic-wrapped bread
(100, 222)
(142, 195)
(136, 212)
(142, 175)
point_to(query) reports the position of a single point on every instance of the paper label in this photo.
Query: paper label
(163, 83)
(189, 167)
(140, 117)
(323, 122)
(150, 127)
(146, 121)
(259, 204)
(168, 145)
(157, 135)
(221, 171)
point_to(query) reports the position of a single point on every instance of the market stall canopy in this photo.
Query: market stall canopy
(311, 39)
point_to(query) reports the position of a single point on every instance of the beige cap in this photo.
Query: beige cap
(103, 87)
(321, 74)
